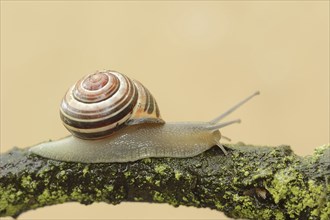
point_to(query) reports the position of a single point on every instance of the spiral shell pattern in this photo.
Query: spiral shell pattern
(105, 101)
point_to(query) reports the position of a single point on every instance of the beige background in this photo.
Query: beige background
(197, 58)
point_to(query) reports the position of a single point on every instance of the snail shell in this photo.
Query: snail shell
(116, 119)
(101, 103)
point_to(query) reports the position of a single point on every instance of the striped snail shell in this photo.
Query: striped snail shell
(103, 102)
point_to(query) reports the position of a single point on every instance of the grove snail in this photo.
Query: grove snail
(113, 118)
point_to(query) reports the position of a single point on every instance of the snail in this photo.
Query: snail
(113, 118)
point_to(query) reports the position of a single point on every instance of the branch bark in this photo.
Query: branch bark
(250, 182)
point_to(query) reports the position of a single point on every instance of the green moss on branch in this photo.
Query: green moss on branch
(250, 182)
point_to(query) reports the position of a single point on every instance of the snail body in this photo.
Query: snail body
(123, 123)
(133, 143)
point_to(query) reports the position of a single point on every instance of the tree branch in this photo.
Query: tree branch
(250, 182)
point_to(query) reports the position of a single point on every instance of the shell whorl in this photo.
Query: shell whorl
(105, 101)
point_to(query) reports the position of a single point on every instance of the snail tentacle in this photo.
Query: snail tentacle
(213, 127)
(220, 117)
(222, 148)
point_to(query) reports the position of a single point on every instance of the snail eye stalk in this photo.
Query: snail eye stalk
(239, 104)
